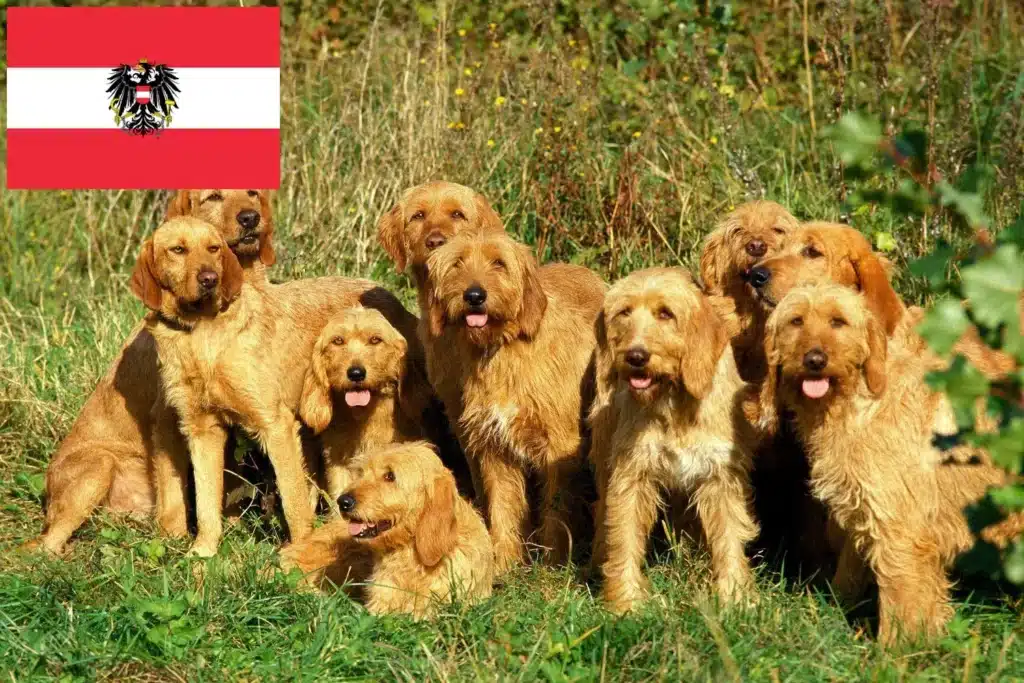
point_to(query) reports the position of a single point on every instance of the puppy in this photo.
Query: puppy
(362, 392)
(863, 411)
(208, 325)
(406, 533)
(516, 342)
(108, 457)
(668, 418)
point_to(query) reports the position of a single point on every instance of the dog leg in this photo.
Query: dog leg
(284, 448)
(627, 512)
(206, 442)
(913, 591)
(170, 471)
(504, 486)
(555, 530)
(723, 504)
(851, 577)
(80, 485)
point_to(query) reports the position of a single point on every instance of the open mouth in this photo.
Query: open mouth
(358, 398)
(247, 239)
(815, 387)
(476, 319)
(640, 382)
(364, 530)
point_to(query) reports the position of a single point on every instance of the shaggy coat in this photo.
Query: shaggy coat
(513, 344)
(667, 420)
(108, 456)
(407, 536)
(208, 325)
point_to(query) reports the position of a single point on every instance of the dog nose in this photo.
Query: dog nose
(248, 219)
(760, 276)
(756, 248)
(815, 360)
(346, 502)
(637, 357)
(356, 373)
(475, 295)
(207, 279)
(435, 240)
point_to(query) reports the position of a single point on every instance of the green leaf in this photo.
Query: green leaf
(1013, 565)
(1007, 446)
(1009, 497)
(943, 325)
(884, 241)
(934, 267)
(633, 67)
(967, 204)
(964, 385)
(993, 285)
(856, 138)
(1013, 233)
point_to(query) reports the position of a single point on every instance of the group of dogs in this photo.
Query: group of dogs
(783, 394)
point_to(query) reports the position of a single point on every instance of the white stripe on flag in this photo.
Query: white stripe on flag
(69, 98)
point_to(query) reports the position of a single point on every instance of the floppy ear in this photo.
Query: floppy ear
(436, 531)
(535, 301)
(706, 339)
(315, 407)
(882, 299)
(764, 413)
(391, 235)
(435, 312)
(267, 255)
(712, 268)
(180, 204)
(604, 362)
(144, 282)
(232, 277)
(874, 366)
(488, 220)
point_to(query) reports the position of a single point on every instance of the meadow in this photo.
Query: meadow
(611, 134)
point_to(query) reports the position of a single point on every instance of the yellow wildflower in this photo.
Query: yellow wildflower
(459, 92)
(727, 90)
(637, 134)
(572, 43)
(558, 129)
(499, 101)
(490, 143)
(467, 71)
(460, 125)
(492, 26)
(462, 33)
(423, 60)
(713, 140)
(494, 43)
(538, 131)
(686, 79)
(451, 125)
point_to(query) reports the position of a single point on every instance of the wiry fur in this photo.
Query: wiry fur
(682, 433)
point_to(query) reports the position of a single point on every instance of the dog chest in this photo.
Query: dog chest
(683, 466)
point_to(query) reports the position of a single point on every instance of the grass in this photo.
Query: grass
(613, 141)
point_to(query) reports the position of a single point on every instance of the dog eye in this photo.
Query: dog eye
(797, 322)
(499, 264)
(389, 476)
(624, 313)
(338, 341)
(458, 215)
(213, 248)
(418, 216)
(374, 340)
(778, 231)
(810, 251)
(838, 322)
(665, 314)
(215, 197)
(178, 249)
(253, 193)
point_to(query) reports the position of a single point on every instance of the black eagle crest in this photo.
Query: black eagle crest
(138, 114)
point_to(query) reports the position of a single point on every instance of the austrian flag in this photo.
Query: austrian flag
(143, 97)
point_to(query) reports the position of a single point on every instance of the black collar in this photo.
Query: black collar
(173, 323)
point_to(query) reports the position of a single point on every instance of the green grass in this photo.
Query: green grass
(617, 143)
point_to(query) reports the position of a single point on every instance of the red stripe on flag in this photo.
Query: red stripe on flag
(116, 159)
(175, 36)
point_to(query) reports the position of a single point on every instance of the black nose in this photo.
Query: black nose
(207, 279)
(637, 357)
(356, 373)
(756, 248)
(475, 295)
(760, 276)
(815, 360)
(248, 219)
(435, 240)
(346, 502)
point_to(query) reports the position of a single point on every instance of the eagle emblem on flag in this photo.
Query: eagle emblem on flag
(142, 96)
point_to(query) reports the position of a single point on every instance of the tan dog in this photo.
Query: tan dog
(107, 458)
(407, 533)
(667, 419)
(363, 391)
(865, 414)
(209, 326)
(516, 341)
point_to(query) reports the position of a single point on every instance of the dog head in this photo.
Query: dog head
(656, 329)
(358, 356)
(747, 235)
(829, 252)
(429, 215)
(403, 495)
(487, 287)
(185, 270)
(242, 216)
(821, 341)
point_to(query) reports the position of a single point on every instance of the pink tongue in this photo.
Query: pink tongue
(476, 319)
(357, 398)
(356, 528)
(639, 382)
(815, 388)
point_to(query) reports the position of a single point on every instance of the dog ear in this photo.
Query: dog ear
(144, 283)
(714, 261)
(180, 204)
(267, 255)
(436, 532)
(604, 363)
(762, 410)
(232, 276)
(391, 235)
(706, 341)
(435, 311)
(874, 366)
(873, 282)
(316, 407)
(488, 220)
(535, 301)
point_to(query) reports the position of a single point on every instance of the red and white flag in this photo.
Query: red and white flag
(143, 97)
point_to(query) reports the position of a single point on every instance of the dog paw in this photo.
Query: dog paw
(202, 550)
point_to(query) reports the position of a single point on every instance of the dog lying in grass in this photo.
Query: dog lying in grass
(408, 541)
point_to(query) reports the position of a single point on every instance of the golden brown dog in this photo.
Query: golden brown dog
(363, 391)
(863, 411)
(209, 325)
(407, 533)
(107, 457)
(516, 341)
(668, 418)
(749, 234)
